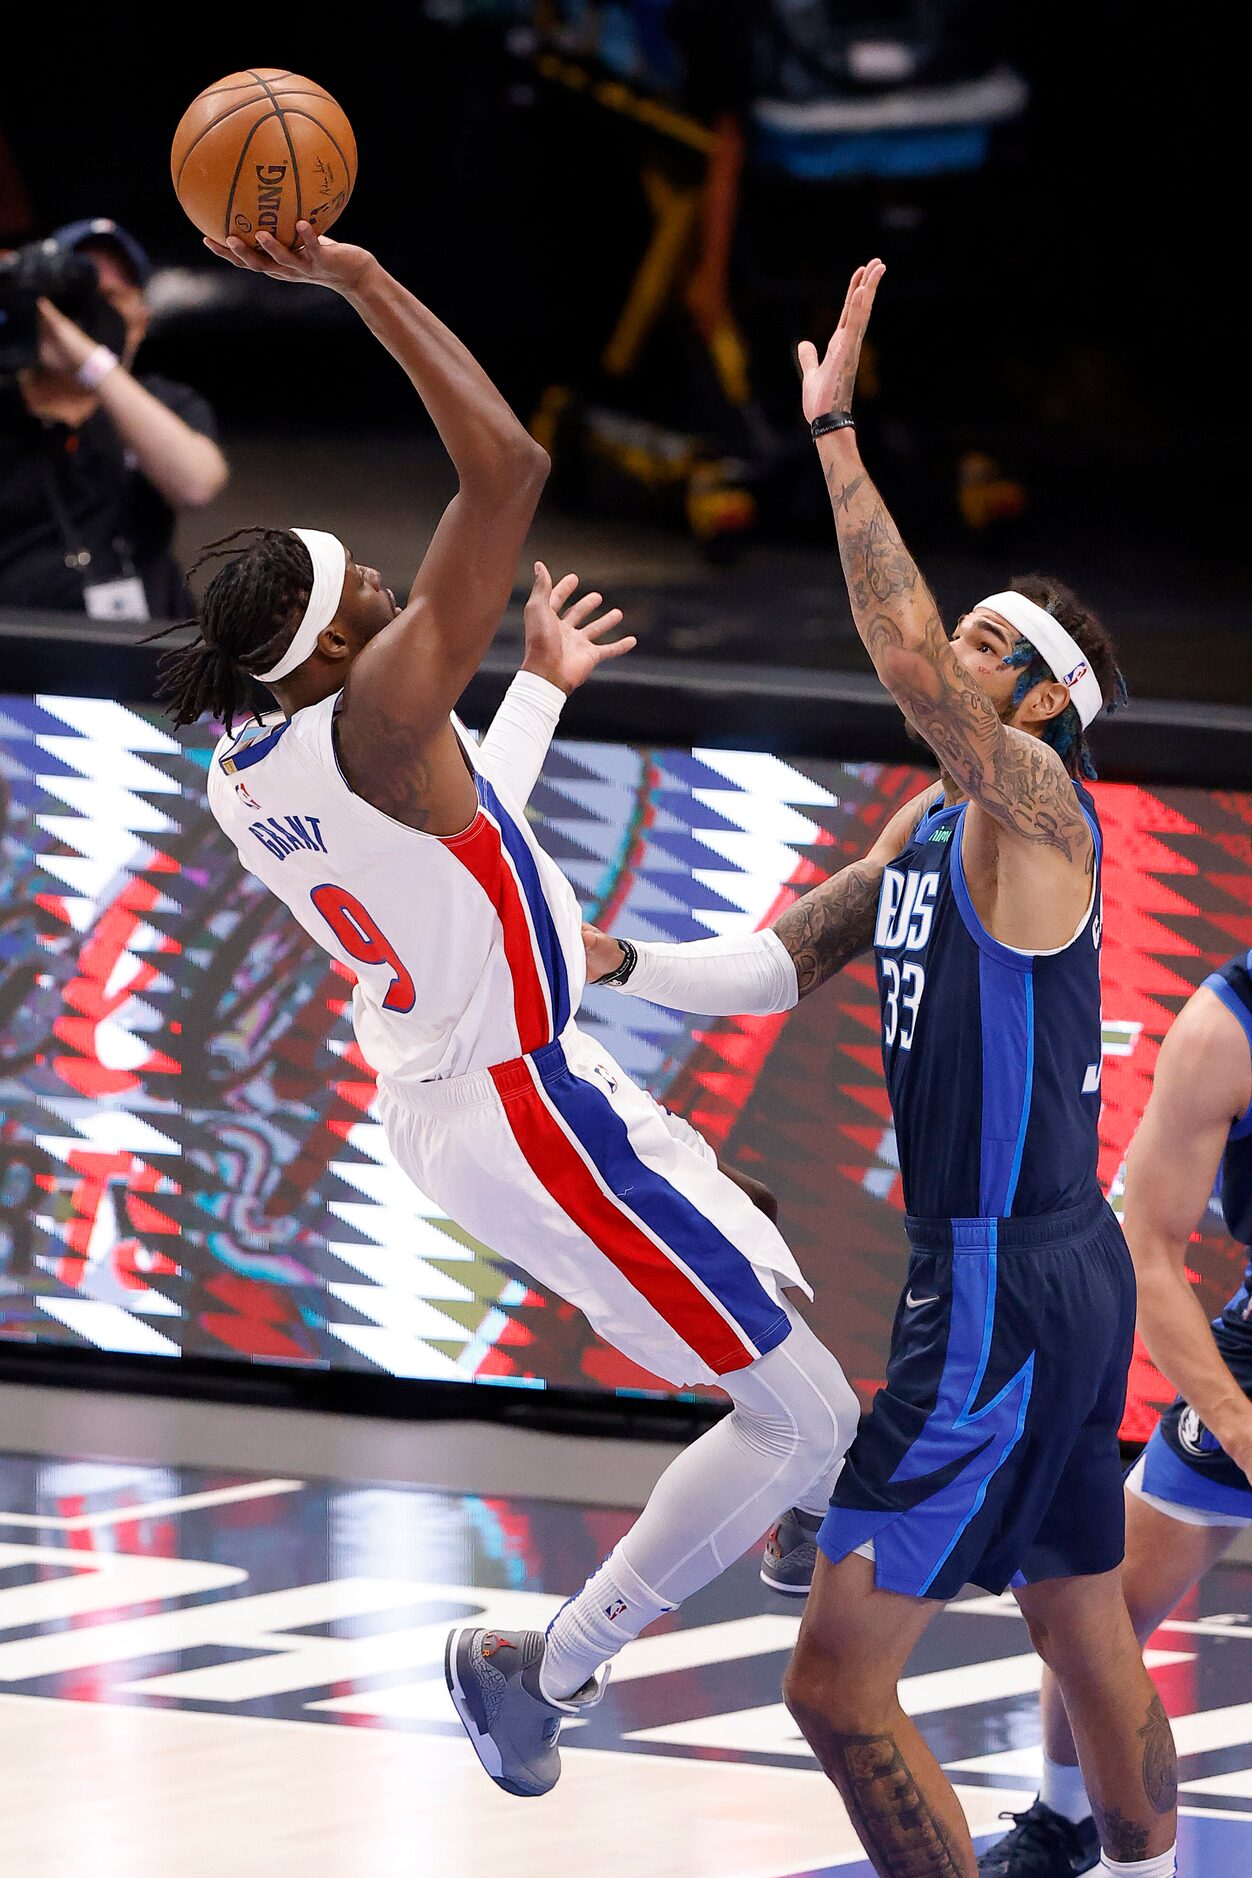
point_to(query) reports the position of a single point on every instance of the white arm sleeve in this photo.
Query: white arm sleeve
(516, 743)
(722, 977)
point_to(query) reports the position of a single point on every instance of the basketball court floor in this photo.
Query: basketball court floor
(204, 1671)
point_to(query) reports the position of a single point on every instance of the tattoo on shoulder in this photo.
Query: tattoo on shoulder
(1014, 777)
(831, 924)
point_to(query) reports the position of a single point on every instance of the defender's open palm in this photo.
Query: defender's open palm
(314, 259)
(830, 381)
(565, 646)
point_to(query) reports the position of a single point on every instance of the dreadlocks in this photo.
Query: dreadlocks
(246, 619)
(1065, 732)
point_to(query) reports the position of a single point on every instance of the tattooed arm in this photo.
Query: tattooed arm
(834, 923)
(1016, 779)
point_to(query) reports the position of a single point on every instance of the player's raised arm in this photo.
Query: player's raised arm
(1016, 778)
(413, 672)
(1201, 1085)
(757, 973)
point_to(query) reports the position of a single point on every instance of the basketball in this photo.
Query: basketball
(263, 149)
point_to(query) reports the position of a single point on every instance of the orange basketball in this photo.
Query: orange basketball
(263, 149)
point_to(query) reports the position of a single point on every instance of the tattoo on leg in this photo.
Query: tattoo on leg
(1122, 1838)
(1160, 1764)
(890, 1813)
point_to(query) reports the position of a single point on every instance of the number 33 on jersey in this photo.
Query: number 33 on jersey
(906, 911)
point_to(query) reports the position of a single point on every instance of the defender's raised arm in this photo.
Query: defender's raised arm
(1016, 778)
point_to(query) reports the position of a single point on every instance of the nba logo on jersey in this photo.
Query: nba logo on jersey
(241, 790)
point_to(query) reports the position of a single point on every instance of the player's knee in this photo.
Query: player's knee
(1044, 1641)
(831, 1684)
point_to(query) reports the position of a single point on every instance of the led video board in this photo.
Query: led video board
(189, 1159)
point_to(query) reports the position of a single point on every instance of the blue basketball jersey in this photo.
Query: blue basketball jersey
(992, 1055)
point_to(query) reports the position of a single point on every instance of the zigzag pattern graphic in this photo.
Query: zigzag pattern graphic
(189, 1159)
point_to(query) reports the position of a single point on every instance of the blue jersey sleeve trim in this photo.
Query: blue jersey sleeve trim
(1005, 955)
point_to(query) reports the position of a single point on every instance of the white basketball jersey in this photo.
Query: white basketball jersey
(467, 950)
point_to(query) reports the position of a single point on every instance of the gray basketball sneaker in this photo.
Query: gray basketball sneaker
(790, 1557)
(493, 1680)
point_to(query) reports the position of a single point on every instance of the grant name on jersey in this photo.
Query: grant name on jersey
(289, 834)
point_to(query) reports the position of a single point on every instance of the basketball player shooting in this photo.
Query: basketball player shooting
(991, 1455)
(404, 850)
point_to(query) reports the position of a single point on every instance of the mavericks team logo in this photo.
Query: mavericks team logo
(1194, 1436)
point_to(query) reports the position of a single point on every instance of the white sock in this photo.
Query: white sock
(1063, 1789)
(1164, 1865)
(612, 1608)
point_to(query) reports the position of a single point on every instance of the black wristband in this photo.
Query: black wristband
(630, 958)
(832, 420)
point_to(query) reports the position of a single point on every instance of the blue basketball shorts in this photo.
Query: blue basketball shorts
(991, 1455)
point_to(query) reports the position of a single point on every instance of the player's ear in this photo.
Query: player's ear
(333, 642)
(1045, 701)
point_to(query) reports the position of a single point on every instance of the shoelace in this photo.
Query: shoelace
(1043, 1833)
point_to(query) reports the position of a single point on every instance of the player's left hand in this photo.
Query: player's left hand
(830, 381)
(604, 954)
(565, 646)
(63, 346)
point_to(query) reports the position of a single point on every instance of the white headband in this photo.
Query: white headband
(1062, 651)
(330, 561)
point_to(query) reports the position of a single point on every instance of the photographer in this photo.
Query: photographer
(94, 462)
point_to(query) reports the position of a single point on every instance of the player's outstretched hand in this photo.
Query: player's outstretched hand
(604, 954)
(564, 643)
(829, 381)
(315, 259)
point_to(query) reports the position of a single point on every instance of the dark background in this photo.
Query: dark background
(1070, 308)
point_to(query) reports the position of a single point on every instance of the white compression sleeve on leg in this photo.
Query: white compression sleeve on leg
(516, 743)
(724, 977)
(794, 1418)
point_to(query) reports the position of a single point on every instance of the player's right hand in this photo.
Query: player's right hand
(829, 380)
(315, 259)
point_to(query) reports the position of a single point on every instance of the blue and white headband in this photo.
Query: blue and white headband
(1061, 651)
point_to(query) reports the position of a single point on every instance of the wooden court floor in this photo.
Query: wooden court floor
(203, 1673)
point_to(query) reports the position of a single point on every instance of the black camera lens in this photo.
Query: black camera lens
(41, 270)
